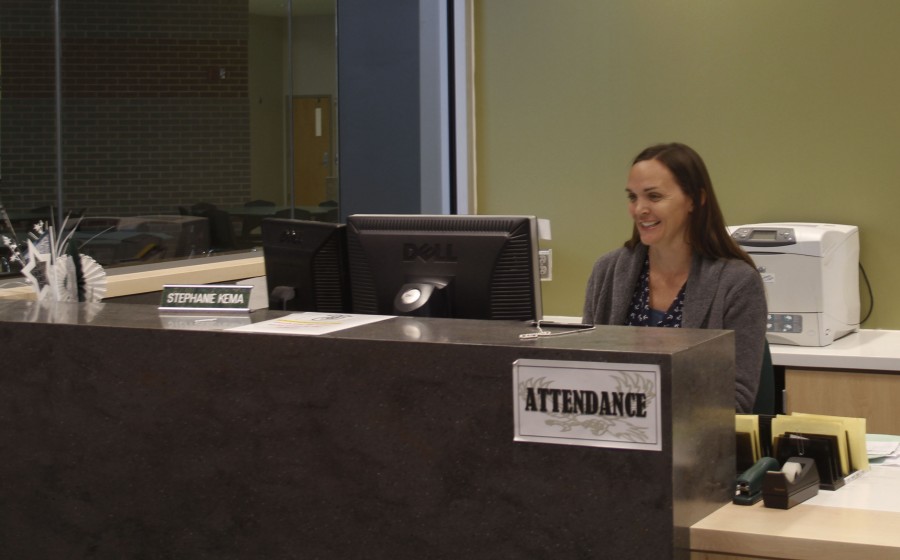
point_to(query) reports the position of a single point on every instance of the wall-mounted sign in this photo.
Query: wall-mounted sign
(595, 404)
(211, 297)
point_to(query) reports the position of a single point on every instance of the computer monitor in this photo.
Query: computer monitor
(306, 265)
(472, 267)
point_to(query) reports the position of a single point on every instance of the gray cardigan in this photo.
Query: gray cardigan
(721, 294)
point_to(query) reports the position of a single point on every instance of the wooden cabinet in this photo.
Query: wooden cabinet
(857, 375)
(873, 395)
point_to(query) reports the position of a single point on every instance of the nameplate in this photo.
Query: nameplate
(205, 298)
(594, 404)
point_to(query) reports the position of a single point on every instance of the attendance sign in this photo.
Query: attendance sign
(595, 404)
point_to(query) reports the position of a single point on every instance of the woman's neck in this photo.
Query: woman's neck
(669, 270)
(671, 262)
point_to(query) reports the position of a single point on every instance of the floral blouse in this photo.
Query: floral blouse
(640, 314)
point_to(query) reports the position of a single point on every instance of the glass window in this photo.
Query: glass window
(166, 130)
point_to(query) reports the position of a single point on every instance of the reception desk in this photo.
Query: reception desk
(125, 434)
(859, 520)
(857, 376)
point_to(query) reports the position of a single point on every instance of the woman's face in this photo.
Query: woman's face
(660, 209)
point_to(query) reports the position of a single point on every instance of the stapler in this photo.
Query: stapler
(796, 482)
(749, 484)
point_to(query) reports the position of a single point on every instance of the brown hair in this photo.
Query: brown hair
(706, 234)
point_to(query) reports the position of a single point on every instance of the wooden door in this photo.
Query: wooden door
(312, 148)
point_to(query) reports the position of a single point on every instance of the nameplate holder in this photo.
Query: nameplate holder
(212, 297)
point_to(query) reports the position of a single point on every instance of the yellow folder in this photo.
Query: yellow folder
(849, 432)
(749, 424)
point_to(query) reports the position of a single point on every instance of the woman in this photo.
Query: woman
(681, 268)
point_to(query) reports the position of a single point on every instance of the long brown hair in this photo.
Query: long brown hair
(706, 234)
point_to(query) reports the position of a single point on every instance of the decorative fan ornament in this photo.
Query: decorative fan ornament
(36, 269)
(86, 282)
(55, 269)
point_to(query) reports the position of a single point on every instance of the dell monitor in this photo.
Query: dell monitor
(468, 267)
(306, 265)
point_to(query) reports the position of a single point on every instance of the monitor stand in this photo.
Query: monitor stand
(425, 298)
(280, 296)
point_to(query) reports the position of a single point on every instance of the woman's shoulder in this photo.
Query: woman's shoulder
(615, 256)
(725, 265)
(734, 271)
(739, 268)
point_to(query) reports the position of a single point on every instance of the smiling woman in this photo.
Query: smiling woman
(661, 213)
(681, 268)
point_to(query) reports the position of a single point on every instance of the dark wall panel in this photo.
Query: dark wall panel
(378, 85)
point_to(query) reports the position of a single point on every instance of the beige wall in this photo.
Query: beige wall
(794, 105)
(314, 73)
(267, 104)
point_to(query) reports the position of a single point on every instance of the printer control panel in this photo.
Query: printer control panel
(764, 236)
(784, 323)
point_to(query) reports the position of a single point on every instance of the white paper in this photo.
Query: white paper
(876, 449)
(310, 323)
(876, 489)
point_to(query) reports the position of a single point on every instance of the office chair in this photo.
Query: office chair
(221, 232)
(250, 224)
(765, 394)
(259, 203)
(298, 214)
(330, 216)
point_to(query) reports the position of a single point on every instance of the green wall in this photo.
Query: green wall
(794, 105)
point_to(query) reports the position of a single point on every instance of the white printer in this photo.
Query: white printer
(811, 276)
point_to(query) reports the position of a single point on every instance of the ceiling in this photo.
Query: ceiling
(299, 7)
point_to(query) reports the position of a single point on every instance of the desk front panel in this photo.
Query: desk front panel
(125, 440)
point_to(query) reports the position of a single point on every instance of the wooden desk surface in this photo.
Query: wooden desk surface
(802, 532)
(808, 531)
(868, 349)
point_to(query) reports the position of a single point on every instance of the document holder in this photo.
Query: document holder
(765, 434)
(753, 439)
(744, 454)
(822, 449)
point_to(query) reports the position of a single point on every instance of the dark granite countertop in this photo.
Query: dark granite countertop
(406, 329)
